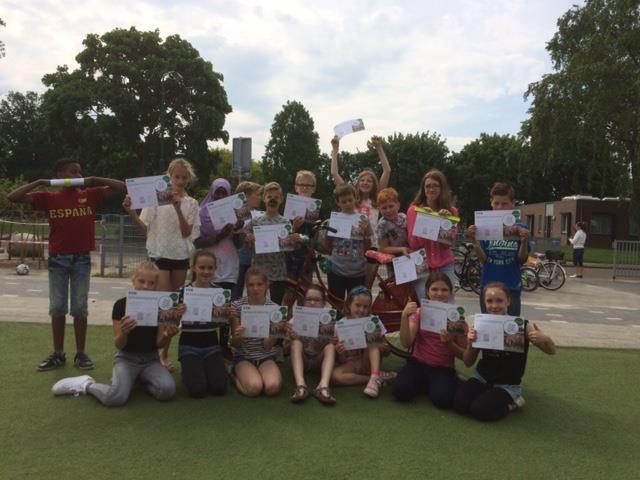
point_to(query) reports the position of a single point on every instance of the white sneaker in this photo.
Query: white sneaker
(517, 403)
(372, 390)
(72, 385)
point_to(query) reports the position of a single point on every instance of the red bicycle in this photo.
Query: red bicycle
(388, 303)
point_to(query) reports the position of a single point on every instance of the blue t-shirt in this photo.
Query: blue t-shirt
(502, 263)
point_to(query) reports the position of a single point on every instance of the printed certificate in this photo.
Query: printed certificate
(272, 238)
(314, 322)
(497, 224)
(499, 332)
(202, 302)
(438, 316)
(225, 211)
(350, 126)
(346, 224)
(263, 321)
(148, 308)
(298, 206)
(149, 191)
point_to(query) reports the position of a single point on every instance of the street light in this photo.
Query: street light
(171, 75)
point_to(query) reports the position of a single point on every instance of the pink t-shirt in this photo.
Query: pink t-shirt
(429, 349)
(439, 255)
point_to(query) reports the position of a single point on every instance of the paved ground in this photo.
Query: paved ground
(591, 312)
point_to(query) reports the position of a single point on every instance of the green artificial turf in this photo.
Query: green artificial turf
(581, 420)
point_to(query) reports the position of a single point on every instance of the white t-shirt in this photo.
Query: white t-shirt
(164, 237)
(579, 239)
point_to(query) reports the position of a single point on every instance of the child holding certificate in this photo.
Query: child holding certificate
(254, 359)
(360, 366)
(391, 230)
(434, 196)
(253, 193)
(431, 365)
(496, 387)
(312, 353)
(305, 187)
(501, 259)
(199, 350)
(217, 238)
(137, 358)
(170, 231)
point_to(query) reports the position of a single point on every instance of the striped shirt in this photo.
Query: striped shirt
(253, 348)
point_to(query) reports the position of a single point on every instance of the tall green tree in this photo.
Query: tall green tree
(490, 159)
(108, 111)
(293, 146)
(584, 125)
(25, 147)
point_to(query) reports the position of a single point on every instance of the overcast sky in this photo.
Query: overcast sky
(458, 68)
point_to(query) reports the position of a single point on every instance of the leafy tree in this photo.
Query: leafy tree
(490, 159)
(25, 149)
(583, 127)
(108, 110)
(293, 146)
(2, 53)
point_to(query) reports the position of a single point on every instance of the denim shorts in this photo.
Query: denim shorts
(256, 363)
(69, 270)
(514, 390)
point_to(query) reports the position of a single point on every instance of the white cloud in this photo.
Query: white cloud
(402, 66)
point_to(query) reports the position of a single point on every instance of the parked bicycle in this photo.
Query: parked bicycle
(551, 273)
(467, 268)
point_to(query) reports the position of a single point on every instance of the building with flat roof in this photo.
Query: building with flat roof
(605, 219)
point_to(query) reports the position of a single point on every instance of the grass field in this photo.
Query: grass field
(591, 255)
(581, 420)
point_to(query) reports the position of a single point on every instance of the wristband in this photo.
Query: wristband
(67, 182)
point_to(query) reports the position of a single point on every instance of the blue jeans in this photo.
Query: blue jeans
(65, 270)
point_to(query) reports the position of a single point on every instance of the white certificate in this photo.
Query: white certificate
(257, 319)
(144, 306)
(149, 191)
(404, 270)
(299, 206)
(491, 224)
(437, 316)
(346, 224)
(200, 304)
(307, 321)
(427, 226)
(350, 126)
(270, 238)
(351, 333)
(490, 330)
(223, 212)
(255, 214)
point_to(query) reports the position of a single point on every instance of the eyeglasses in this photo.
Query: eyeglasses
(313, 300)
(432, 186)
(305, 185)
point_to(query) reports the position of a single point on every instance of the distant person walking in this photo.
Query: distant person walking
(577, 241)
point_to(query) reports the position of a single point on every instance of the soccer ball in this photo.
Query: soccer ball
(22, 269)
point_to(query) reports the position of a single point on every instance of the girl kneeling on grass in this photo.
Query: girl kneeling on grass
(199, 349)
(254, 359)
(137, 358)
(431, 365)
(361, 366)
(311, 353)
(496, 387)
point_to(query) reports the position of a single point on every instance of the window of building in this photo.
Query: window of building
(531, 222)
(601, 224)
(566, 223)
(539, 223)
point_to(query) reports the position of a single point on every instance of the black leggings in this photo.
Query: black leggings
(415, 376)
(484, 402)
(203, 375)
(339, 286)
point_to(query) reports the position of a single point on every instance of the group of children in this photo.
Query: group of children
(225, 258)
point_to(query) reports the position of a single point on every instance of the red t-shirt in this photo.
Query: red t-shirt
(71, 213)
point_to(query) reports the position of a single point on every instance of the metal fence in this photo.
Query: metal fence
(120, 245)
(626, 259)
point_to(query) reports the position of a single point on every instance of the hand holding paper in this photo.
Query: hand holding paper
(350, 126)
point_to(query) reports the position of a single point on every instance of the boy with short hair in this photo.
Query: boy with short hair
(502, 259)
(275, 264)
(253, 194)
(348, 263)
(71, 212)
(391, 230)
(305, 186)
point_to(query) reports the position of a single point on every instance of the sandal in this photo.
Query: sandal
(300, 395)
(324, 395)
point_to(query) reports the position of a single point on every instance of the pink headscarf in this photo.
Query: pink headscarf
(206, 226)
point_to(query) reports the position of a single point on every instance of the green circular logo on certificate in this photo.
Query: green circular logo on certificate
(453, 315)
(275, 316)
(510, 327)
(219, 299)
(283, 232)
(369, 327)
(165, 303)
(325, 318)
(312, 207)
(509, 220)
(161, 185)
(237, 203)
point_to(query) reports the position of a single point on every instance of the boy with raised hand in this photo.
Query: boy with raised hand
(71, 212)
(501, 259)
(275, 264)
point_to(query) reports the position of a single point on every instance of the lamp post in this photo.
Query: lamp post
(171, 75)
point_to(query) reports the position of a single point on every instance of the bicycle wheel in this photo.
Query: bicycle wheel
(551, 274)
(472, 279)
(529, 278)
